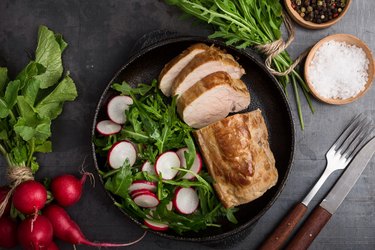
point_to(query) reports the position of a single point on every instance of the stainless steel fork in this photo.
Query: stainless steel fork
(338, 157)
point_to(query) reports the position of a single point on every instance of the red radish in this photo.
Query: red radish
(197, 164)
(146, 200)
(186, 200)
(121, 151)
(64, 228)
(142, 184)
(116, 108)
(67, 189)
(139, 191)
(108, 127)
(52, 246)
(29, 197)
(35, 233)
(148, 167)
(165, 163)
(3, 193)
(8, 232)
(157, 226)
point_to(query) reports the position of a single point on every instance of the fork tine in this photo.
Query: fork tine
(362, 141)
(349, 129)
(353, 135)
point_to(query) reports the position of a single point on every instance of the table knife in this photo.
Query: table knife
(321, 214)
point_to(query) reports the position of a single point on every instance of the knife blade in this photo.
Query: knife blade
(321, 215)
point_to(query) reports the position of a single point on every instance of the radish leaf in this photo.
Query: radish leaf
(48, 53)
(51, 105)
(3, 78)
(31, 101)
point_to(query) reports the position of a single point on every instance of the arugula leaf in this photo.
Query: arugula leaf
(48, 53)
(120, 182)
(191, 153)
(126, 89)
(51, 105)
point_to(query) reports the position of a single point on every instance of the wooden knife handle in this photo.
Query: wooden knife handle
(310, 229)
(281, 234)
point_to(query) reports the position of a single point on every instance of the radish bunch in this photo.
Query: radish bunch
(37, 230)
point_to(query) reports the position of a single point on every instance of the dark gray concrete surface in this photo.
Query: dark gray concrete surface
(100, 36)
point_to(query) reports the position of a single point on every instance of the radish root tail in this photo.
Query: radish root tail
(84, 173)
(34, 218)
(98, 244)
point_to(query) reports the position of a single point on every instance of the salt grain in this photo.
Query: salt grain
(339, 70)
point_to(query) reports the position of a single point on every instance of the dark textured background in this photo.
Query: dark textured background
(101, 35)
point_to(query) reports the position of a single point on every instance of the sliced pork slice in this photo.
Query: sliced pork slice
(173, 68)
(212, 99)
(204, 64)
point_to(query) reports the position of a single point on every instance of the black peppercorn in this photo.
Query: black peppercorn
(319, 11)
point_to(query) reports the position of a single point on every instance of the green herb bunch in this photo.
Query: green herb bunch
(30, 102)
(245, 23)
(154, 127)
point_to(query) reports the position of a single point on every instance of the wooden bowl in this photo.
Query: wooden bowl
(311, 25)
(352, 40)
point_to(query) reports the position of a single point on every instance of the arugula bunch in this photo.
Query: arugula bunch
(30, 102)
(154, 126)
(245, 23)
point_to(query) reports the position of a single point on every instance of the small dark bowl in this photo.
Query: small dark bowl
(266, 94)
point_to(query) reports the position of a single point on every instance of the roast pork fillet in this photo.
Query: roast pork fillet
(212, 99)
(204, 64)
(171, 69)
(238, 157)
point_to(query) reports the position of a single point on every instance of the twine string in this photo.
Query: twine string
(16, 176)
(273, 49)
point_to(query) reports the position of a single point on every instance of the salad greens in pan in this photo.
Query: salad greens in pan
(180, 198)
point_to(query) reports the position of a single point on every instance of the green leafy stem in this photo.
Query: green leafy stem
(30, 102)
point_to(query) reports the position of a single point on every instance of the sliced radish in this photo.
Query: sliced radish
(116, 108)
(121, 151)
(108, 127)
(157, 226)
(139, 191)
(146, 200)
(186, 200)
(197, 164)
(165, 163)
(148, 167)
(142, 184)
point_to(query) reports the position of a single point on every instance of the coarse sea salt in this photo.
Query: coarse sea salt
(339, 70)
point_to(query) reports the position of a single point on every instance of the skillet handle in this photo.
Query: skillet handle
(281, 234)
(310, 229)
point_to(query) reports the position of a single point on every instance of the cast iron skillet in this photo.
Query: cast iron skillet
(266, 95)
